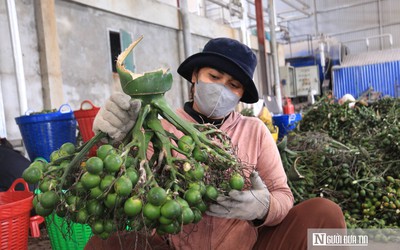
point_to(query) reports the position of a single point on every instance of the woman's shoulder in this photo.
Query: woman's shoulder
(247, 120)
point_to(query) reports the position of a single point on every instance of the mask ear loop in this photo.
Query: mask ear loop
(192, 90)
(192, 97)
(196, 73)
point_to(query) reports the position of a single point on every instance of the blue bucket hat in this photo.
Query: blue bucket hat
(227, 55)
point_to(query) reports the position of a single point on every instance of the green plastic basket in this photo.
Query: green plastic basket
(64, 236)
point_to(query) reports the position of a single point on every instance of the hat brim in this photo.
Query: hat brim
(220, 62)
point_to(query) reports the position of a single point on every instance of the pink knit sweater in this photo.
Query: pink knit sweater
(258, 150)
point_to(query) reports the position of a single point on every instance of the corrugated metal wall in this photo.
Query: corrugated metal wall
(357, 78)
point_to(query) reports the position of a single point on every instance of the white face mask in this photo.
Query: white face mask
(215, 100)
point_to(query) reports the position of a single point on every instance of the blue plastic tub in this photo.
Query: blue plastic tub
(44, 133)
(286, 123)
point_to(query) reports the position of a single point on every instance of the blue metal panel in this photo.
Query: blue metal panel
(381, 77)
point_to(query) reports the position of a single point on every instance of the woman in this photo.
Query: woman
(12, 165)
(259, 218)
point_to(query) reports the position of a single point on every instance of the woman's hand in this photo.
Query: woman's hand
(243, 205)
(117, 116)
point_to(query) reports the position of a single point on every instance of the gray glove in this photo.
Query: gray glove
(117, 116)
(243, 205)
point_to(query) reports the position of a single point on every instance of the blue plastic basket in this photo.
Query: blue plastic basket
(286, 123)
(44, 133)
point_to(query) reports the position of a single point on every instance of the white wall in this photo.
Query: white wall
(29, 47)
(82, 28)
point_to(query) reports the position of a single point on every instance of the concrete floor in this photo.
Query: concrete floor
(41, 243)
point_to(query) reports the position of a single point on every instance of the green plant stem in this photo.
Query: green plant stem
(200, 139)
(139, 140)
(78, 158)
(154, 123)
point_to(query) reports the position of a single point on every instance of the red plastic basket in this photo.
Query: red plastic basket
(85, 117)
(15, 207)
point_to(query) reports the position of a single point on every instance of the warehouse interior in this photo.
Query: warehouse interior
(59, 57)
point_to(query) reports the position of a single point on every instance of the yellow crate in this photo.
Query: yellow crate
(275, 133)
